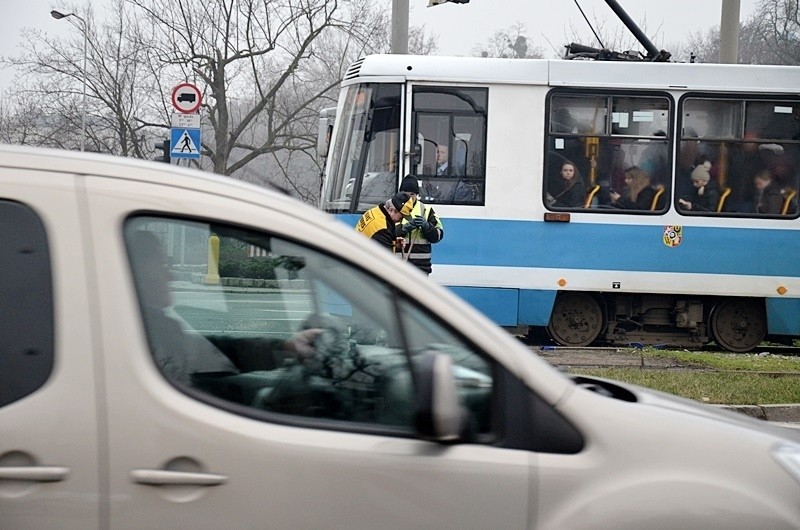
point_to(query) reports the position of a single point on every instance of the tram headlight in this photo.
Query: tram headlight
(787, 454)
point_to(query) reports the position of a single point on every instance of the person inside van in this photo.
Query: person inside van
(181, 355)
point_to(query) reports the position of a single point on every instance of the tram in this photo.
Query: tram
(637, 254)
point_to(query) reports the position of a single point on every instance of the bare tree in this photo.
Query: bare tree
(24, 121)
(771, 35)
(701, 47)
(299, 170)
(256, 61)
(777, 31)
(266, 68)
(117, 76)
(510, 42)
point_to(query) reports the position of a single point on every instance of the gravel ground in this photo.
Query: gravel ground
(602, 357)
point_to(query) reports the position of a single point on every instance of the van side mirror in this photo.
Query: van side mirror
(438, 415)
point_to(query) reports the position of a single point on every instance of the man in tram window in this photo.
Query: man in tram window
(443, 168)
(451, 167)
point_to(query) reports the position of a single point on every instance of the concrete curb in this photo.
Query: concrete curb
(787, 413)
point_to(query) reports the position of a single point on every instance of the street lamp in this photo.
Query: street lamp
(58, 16)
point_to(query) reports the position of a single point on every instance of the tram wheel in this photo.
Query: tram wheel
(739, 324)
(577, 319)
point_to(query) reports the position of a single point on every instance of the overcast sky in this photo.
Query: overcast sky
(460, 27)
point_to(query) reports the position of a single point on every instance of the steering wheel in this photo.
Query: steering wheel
(334, 340)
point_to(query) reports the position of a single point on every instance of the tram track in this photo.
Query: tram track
(567, 357)
(771, 349)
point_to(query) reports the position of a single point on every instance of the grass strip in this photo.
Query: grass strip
(727, 361)
(728, 387)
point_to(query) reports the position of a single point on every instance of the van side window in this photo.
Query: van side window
(449, 126)
(608, 152)
(26, 329)
(746, 151)
(282, 332)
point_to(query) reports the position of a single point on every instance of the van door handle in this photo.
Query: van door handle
(160, 477)
(34, 473)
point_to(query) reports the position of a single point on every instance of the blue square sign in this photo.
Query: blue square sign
(184, 143)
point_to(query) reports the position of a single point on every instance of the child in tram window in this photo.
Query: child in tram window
(705, 192)
(568, 190)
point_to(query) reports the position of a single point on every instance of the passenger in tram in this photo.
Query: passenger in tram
(705, 192)
(610, 168)
(743, 160)
(443, 167)
(568, 190)
(768, 193)
(638, 194)
(690, 154)
(655, 160)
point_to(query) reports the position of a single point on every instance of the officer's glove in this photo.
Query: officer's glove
(405, 228)
(419, 222)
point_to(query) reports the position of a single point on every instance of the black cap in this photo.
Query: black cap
(403, 203)
(409, 184)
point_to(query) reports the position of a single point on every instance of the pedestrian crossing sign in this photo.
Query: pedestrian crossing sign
(185, 143)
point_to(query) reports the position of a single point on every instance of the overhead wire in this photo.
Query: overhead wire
(590, 25)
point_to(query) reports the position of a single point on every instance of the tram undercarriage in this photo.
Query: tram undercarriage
(581, 319)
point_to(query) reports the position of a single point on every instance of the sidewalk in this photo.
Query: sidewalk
(787, 413)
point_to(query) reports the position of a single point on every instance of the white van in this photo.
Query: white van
(179, 350)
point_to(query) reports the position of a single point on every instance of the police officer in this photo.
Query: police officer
(422, 229)
(378, 223)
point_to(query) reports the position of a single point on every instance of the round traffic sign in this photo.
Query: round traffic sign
(186, 98)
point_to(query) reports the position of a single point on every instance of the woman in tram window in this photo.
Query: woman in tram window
(638, 193)
(568, 190)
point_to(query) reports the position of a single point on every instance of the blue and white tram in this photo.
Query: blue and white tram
(627, 259)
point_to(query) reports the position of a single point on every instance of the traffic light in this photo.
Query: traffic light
(163, 146)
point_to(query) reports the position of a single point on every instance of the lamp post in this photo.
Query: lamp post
(58, 16)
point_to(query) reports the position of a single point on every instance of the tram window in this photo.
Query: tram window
(365, 150)
(755, 172)
(449, 125)
(604, 138)
(707, 118)
(773, 120)
(578, 114)
(640, 116)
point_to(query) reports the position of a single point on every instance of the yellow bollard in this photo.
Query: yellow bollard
(212, 278)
